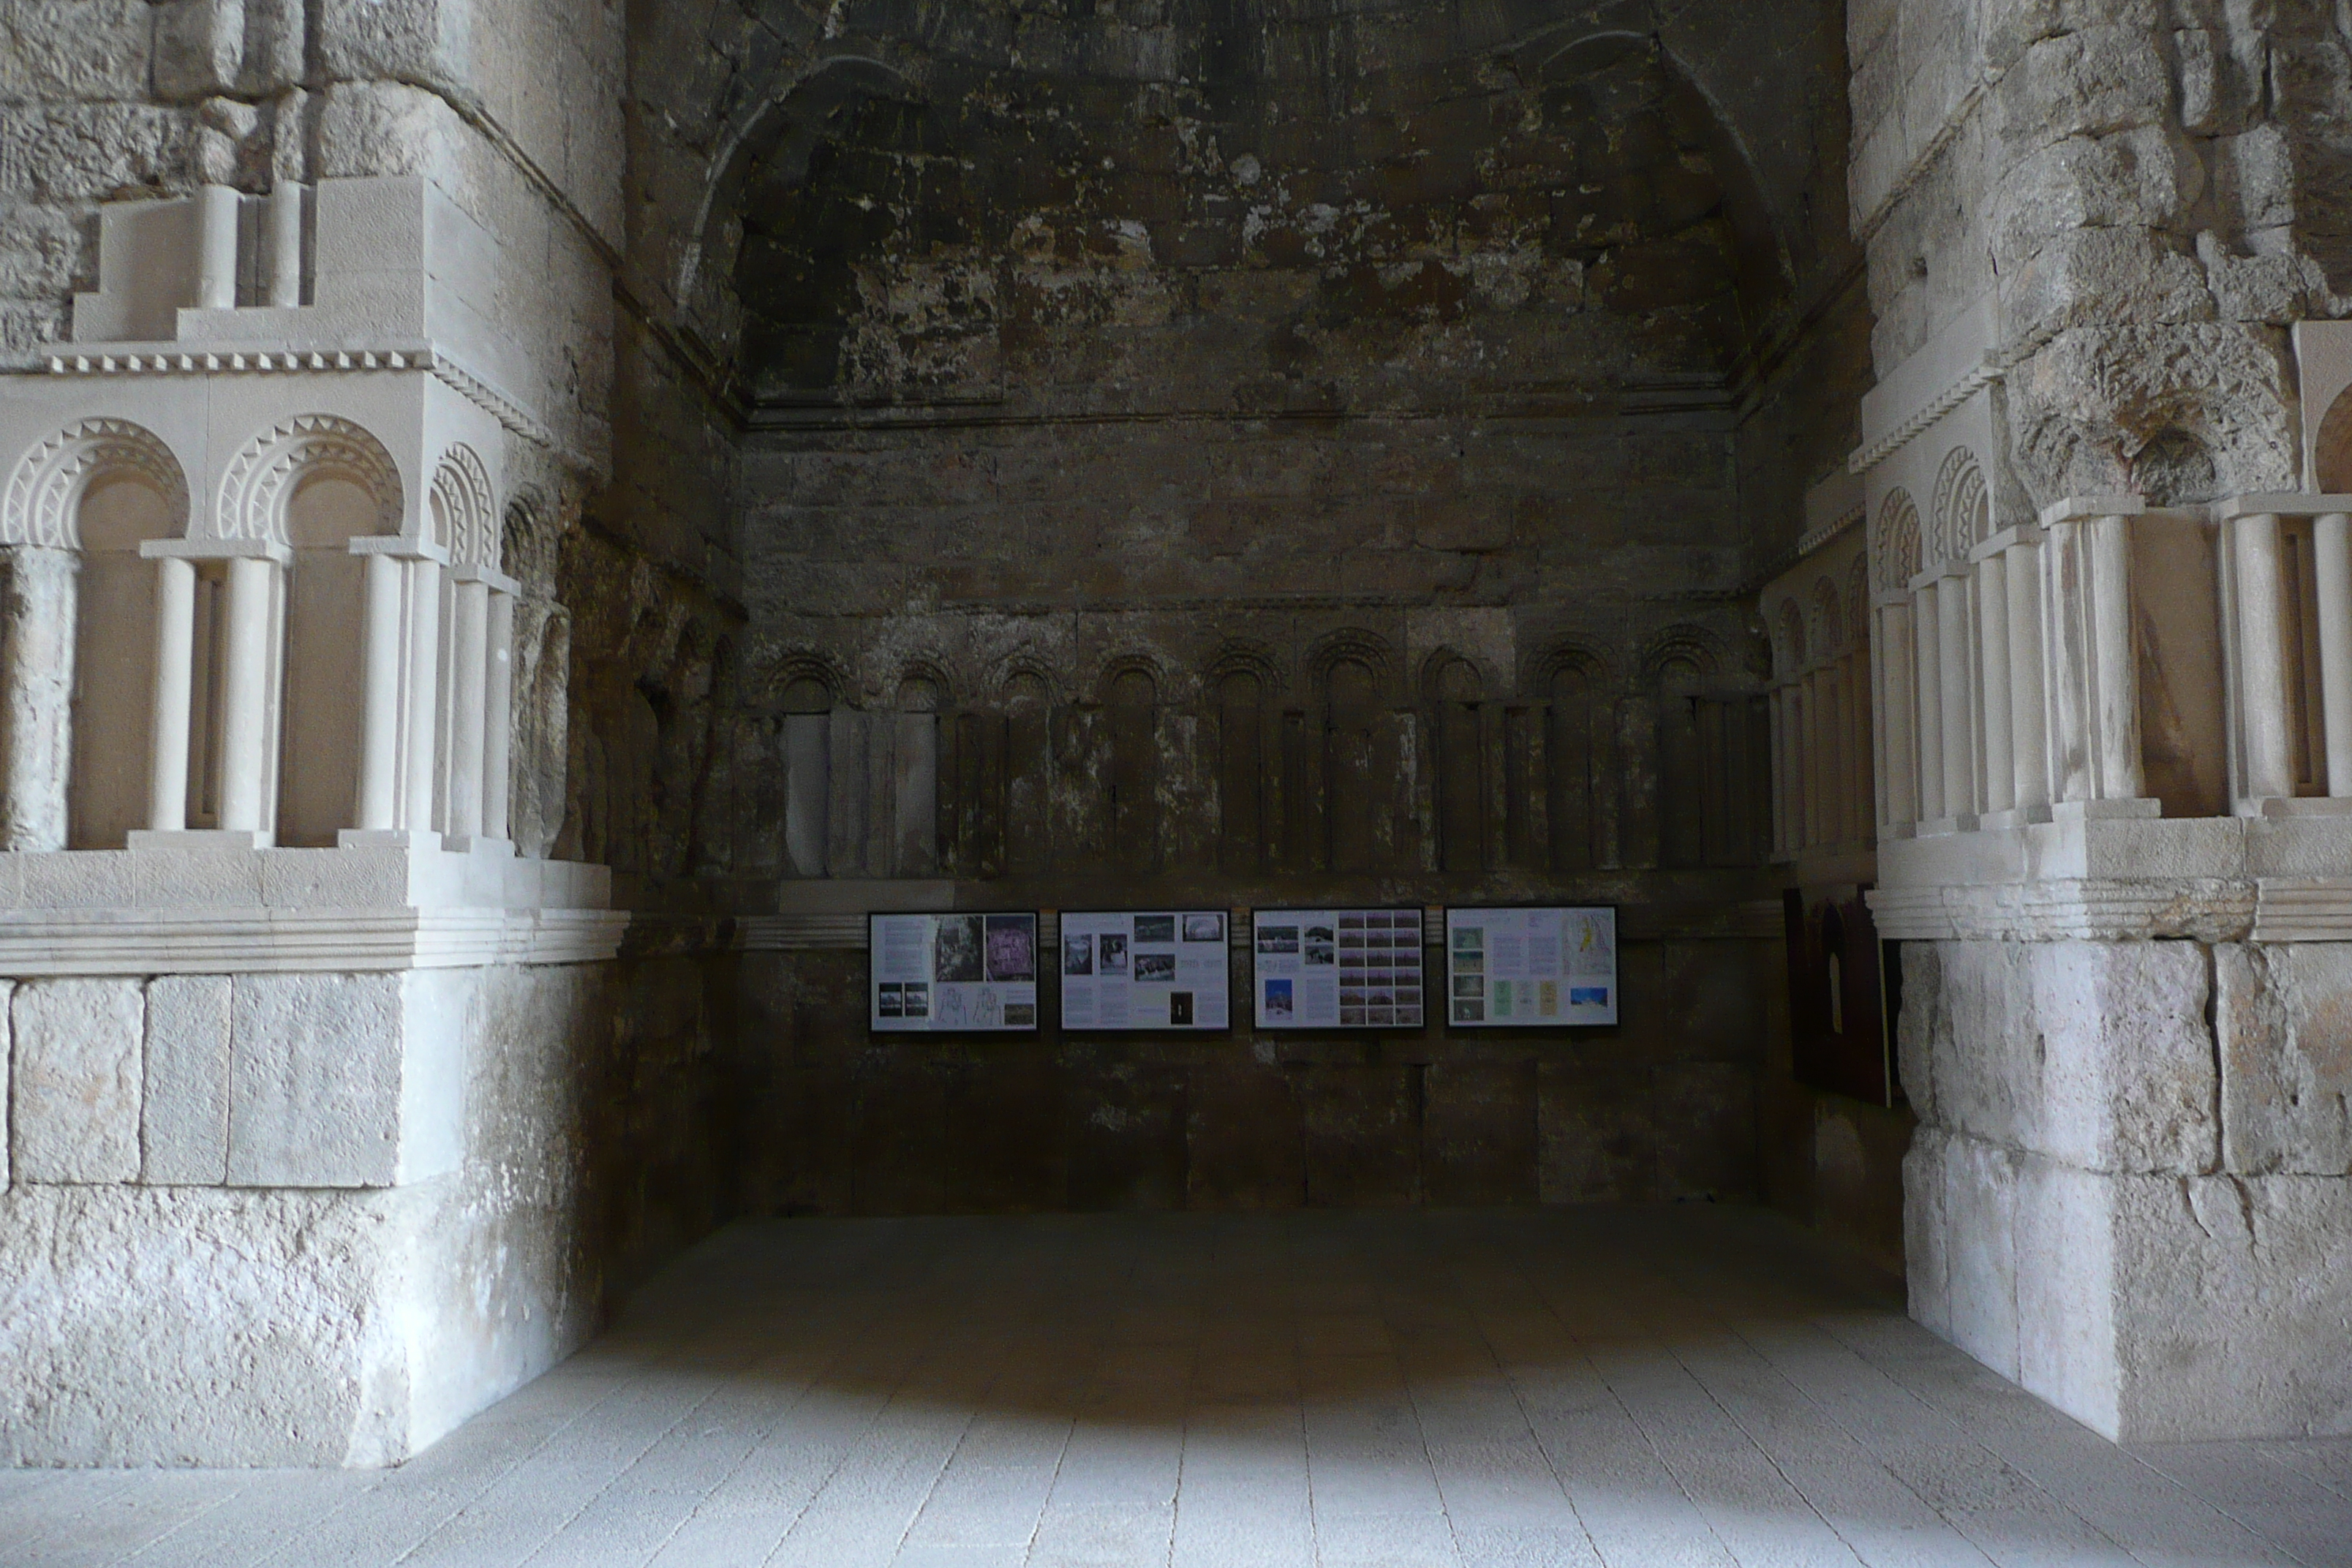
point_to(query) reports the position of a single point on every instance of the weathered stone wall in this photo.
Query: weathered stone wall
(1212, 453)
(2130, 1188)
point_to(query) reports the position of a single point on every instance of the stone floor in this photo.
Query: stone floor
(1633, 1387)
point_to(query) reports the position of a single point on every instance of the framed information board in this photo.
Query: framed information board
(1337, 969)
(1530, 968)
(1146, 969)
(951, 974)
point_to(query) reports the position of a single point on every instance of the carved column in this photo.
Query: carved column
(247, 687)
(497, 718)
(176, 658)
(1992, 643)
(2028, 702)
(40, 668)
(1928, 683)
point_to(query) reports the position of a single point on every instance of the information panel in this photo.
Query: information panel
(1146, 969)
(1518, 968)
(1337, 969)
(960, 974)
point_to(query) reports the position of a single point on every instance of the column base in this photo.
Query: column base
(1936, 827)
(475, 843)
(387, 838)
(202, 839)
(2106, 810)
(2298, 806)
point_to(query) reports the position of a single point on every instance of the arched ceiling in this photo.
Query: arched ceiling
(1024, 203)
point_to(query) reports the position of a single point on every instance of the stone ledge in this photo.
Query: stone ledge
(205, 941)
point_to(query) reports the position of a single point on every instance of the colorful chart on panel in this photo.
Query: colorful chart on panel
(1522, 968)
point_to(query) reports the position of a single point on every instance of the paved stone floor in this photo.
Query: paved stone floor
(1633, 1388)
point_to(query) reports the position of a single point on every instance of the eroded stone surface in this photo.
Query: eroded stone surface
(74, 1098)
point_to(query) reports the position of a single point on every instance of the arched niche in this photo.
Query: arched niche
(1457, 693)
(1572, 749)
(806, 700)
(1350, 706)
(1241, 770)
(327, 505)
(114, 656)
(80, 633)
(1132, 703)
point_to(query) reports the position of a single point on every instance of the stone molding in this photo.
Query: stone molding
(42, 943)
(38, 507)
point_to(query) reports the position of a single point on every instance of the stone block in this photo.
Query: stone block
(184, 1109)
(1926, 1271)
(175, 878)
(2283, 1017)
(74, 1107)
(315, 1081)
(1598, 1131)
(1980, 1251)
(2127, 1080)
(7, 993)
(2066, 1290)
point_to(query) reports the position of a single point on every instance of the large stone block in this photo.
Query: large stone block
(1927, 1270)
(74, 1107)
(2066, 1298)
(2094, 1053)
(1980, 1250)
(2283, 1018)
(183, 1110)
(315, 1081)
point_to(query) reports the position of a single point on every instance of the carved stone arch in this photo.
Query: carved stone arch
(915, 676)
(1239, 657)
(1689, 644)
(261, 480)
(45, 487)
(1828, 617)
(1350, 645)
(796, 664)
(1566, 656)
(1788, 638)
(1894, 543)
(1444, 661)
(1959, 518)
(1120, 666)
(1025, 664)
(461, 494)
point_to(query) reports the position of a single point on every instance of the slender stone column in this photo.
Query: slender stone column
(1898, 773)
(421, 727)
(1952, 665)
(1993, 642)
(1927, 681)
(40, 672)
(245, 695)
(2115, 660)
(469, 651)
(1808, 759)
(498, 719)
(285, 244)
(176, 666)
(2029, 718)
(380, 772)
(217, 248)
(2331, 538)
(1781, 792)
(2265, 747)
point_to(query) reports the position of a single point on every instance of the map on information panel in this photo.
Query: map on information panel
(1517, 968)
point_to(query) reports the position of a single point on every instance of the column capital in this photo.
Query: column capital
(216, 550)
(2082, 509)
(2002, 540)
(2280, 505)
(401, 549)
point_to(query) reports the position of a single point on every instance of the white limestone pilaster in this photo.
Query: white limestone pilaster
(497, 718)
(2331, 540)
(1952, 623)
(40, 681)
(1928, 694)
(2029, 698)
(1992, 643)
(385, 641)
(1896, 745)
(176, 658)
